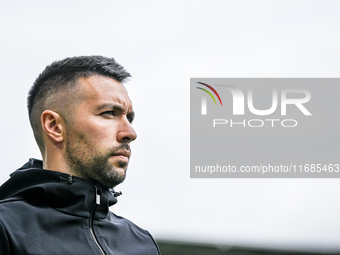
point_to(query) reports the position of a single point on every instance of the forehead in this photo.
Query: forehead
(103, 90)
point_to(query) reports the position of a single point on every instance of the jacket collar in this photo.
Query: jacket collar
(63, 192)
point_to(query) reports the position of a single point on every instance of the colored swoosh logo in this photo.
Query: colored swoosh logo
(209, 92)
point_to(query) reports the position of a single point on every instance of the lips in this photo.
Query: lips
(123, 155)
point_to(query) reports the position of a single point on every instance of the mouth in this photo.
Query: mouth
(122, 155)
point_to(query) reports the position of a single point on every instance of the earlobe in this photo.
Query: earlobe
(52, 124)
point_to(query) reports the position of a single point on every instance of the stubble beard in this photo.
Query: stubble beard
(88, 165)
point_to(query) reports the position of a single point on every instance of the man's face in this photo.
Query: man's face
(99, 135)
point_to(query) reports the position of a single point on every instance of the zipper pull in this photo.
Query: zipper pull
(98, 193)
(117, 193)
(69, 179)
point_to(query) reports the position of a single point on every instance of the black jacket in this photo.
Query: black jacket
(46, 212)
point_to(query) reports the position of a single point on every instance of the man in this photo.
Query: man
(81, 118)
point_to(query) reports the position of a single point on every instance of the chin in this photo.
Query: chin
(120, 173)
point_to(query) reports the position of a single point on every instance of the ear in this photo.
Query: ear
(53, 125)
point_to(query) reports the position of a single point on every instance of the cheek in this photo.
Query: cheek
(97, 129)
(98, 134)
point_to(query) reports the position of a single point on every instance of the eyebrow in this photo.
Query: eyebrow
(111, 106)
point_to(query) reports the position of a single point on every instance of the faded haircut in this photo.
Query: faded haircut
(56, 87)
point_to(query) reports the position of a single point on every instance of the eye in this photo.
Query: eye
(130, 119)
(110, 113)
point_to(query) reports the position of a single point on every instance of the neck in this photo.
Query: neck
(56, 162)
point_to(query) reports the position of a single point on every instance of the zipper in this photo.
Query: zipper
(97, 202)
(69, 179)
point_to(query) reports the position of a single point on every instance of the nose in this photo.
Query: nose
(126, 132)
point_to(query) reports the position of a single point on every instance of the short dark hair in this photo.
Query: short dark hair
(62, 76)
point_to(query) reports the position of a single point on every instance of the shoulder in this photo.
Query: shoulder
(127, 230)
(10, 209)
(4, 247)
(14, 203)
(125, 222)
(16, 210)
(127, 225)
(11, 205)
